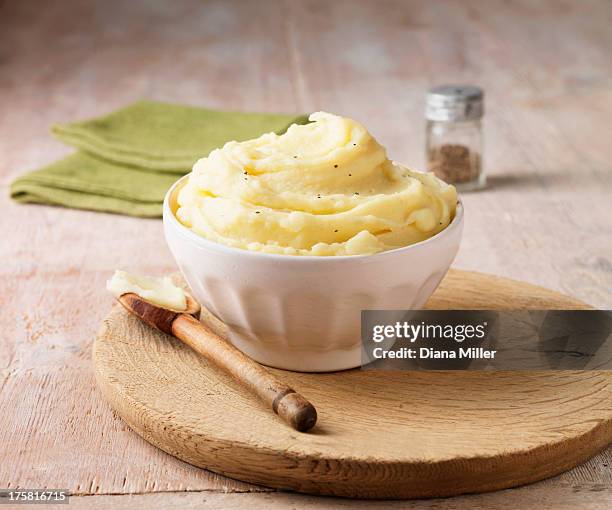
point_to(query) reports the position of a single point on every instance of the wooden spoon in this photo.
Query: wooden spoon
(286, 402)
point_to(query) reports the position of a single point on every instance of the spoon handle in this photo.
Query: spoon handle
(284, 401)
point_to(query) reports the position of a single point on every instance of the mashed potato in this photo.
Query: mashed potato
(324, 188)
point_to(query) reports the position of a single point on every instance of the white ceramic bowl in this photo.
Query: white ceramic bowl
(303, 313)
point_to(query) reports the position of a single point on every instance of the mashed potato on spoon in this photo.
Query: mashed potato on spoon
(326, 188)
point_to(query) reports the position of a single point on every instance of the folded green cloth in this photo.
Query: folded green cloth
(127, 160)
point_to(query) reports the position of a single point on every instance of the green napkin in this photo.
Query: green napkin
(127, 160)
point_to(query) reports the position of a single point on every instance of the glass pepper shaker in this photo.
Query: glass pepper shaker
(454, 135)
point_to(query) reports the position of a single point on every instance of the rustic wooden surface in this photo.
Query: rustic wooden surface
(188, 327)
(390, 439)
(546, 219)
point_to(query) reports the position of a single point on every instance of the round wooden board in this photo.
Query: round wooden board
(380, 434)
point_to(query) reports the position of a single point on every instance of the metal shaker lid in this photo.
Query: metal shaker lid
(454, 103)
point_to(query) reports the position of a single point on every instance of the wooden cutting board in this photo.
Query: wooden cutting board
(380, 434)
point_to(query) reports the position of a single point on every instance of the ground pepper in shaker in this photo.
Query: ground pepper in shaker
(454, 135)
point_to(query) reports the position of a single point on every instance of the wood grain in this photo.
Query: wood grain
(545, 219)
(380, 434)
(563, 497)
(254, 378)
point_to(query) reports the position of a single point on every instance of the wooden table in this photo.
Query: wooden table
(547, 217)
